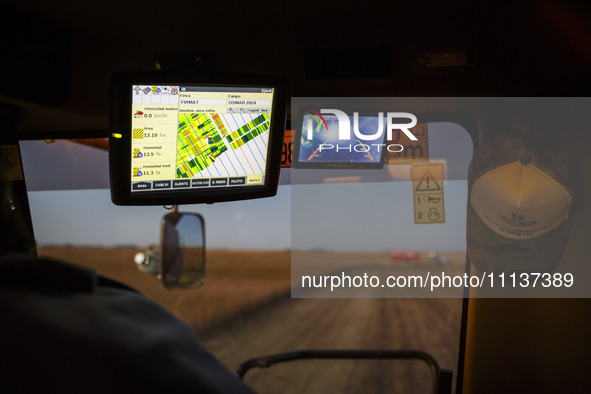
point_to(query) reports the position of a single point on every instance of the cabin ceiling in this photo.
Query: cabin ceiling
(59, 54)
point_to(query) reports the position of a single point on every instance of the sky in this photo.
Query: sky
(373, 216)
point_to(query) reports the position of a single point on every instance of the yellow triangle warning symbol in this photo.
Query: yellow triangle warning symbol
(427, 183)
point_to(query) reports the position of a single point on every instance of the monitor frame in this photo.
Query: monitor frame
(120, 138)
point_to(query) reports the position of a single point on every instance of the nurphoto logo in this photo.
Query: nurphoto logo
(364, 135)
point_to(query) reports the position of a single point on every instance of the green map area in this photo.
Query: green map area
(203, 138)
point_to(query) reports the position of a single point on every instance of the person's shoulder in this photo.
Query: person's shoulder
(67, 326)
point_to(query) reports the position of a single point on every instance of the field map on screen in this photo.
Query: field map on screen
(221, 144)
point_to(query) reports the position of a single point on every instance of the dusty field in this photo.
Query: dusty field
(430, 325)
(244, 310)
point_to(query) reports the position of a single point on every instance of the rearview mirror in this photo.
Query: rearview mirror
(183, 250)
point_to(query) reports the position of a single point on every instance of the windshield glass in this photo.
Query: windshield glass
(245, 308)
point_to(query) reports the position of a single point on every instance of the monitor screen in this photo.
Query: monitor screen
(196, 141)
(320, 146)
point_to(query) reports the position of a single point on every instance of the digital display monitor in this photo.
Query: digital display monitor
(319, 145)
(177, 139)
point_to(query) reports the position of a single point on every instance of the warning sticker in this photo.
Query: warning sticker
(427, 183)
